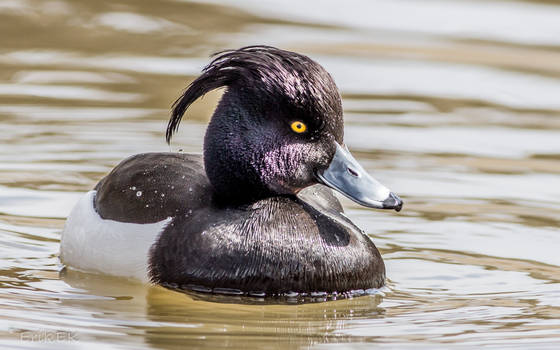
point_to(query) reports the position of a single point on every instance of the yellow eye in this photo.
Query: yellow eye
(298, 127)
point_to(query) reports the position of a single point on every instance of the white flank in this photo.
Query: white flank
(90, 243)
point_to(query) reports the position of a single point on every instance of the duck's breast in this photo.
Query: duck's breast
(275, 245)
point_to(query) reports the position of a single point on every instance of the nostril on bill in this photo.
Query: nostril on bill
(353, 172)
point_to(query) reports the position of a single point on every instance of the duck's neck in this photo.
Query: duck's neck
(230, 153)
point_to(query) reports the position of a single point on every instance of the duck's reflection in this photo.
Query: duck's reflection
(167, 319)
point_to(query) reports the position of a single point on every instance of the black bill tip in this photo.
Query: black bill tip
(393, 202)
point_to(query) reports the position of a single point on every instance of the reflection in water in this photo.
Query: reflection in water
(175, 319)
(454, 104)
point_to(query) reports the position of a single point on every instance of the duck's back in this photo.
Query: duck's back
(112, 228)
(151, 187)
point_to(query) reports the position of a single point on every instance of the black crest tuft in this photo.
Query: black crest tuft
(283, 77)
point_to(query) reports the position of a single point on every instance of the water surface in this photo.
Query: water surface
(452, 104)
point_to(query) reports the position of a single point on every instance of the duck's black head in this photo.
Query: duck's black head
(277, 129)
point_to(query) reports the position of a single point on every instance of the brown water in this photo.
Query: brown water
(455, 105)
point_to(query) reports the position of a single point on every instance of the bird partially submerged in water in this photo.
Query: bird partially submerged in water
(255, 214)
